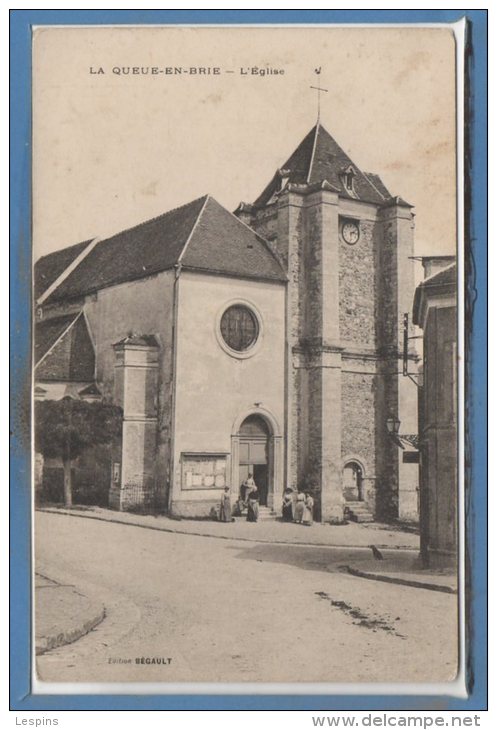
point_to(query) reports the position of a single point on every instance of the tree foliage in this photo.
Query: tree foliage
(66, 428)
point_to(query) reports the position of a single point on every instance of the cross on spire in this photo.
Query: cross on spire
(319, 89)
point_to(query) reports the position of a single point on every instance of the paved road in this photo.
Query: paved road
(220, 610)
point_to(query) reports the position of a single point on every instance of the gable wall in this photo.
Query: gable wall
(215, 388)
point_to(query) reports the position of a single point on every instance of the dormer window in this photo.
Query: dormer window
(284, 178)
(347, 179)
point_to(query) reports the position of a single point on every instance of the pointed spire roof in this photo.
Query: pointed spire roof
(318, 158)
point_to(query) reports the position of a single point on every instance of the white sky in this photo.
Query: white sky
(111, 151)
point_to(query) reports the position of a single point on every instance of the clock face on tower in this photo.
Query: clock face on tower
(350, 232)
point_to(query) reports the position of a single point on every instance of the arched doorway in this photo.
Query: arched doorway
(254, 455)
(353, 476)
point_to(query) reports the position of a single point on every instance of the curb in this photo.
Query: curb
(53, 641)
(412, 582)
(74, 513)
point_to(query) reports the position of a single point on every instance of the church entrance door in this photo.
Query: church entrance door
(254, 454)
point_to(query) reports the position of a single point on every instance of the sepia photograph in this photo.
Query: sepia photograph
(246, 361)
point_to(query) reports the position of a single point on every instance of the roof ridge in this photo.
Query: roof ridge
(135, 230)
(68, 270)
(367, 176)
(124, 230)
(356, 167)
(155, 218)
(199, 216)
(428, 279)
(311, 162)
(65, 248)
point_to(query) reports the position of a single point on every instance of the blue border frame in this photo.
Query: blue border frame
(20, 487)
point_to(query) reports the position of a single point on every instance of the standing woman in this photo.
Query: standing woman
(253, 505)
(308, 509)
(287, 506)
(225, 511)
(299, 508)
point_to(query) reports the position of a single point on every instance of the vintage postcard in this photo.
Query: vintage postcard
(245, 358)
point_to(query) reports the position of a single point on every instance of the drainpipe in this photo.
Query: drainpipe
(172, 440)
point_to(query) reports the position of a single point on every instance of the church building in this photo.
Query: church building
(268, 341)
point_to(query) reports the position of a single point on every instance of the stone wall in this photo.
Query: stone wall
(265, 223)
(358, 288)
(144, 306)
(395, 277)
(359, 418)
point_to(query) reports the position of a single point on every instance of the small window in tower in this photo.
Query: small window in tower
(239, 327)
(347, 178)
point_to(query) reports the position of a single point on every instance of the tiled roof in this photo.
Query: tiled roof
(378, 183)
(64, 350)
(217, 241)
(145, 249)
(48, 268)
(444, 282)
(317, 158)
(221, 243)
(441, 278)
(47, 332)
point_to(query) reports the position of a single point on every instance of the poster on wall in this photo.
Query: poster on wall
(203, 471)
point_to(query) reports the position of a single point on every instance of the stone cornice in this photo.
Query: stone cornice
(314, 346)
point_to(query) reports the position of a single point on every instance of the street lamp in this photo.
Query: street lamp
(393, 425)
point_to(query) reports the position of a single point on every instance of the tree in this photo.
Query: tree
(66, 428)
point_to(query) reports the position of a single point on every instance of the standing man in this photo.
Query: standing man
(247, 486)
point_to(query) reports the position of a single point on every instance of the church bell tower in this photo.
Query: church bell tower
(346, 244)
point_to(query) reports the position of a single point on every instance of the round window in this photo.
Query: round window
(239, 327)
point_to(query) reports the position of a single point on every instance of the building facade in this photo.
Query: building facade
(267, 342)
(435, 311)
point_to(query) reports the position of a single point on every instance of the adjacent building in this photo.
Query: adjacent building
(435, 311)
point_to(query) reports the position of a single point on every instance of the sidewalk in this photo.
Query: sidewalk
(351, 544)
(63, 615)
(273, 531)
(403, 568)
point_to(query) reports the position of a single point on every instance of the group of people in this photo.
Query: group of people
(298, 507)
(249, 500)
